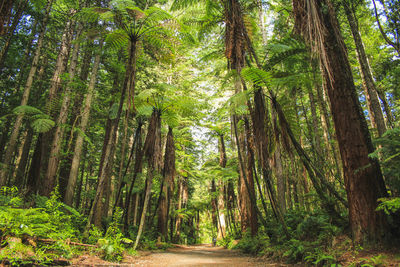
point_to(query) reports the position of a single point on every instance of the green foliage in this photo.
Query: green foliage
(40, 121)
(376, 261)
(112, 245)
(389, 205)
(50, 219)
(252, 244)
(311, 237)
(389, 153)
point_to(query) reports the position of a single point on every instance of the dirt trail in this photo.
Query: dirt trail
(203, 255)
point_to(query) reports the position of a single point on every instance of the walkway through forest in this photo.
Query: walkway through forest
(202, 255)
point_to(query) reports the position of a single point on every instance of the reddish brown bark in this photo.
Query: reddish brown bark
(362, 175)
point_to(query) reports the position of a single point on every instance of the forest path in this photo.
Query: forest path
(201, 255)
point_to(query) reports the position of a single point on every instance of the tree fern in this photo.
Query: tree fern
(40, 122)
(42, 125)
(26, 110)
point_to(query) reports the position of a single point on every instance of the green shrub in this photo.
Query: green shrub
(252, 245)
(112, 245)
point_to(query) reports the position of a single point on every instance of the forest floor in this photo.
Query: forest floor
(179, 255)
(201, 255)
(206, 255)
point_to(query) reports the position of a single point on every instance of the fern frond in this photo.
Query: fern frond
(26, 110)
(182, 4)
(117, 39)
(42, 125)
(257, 76)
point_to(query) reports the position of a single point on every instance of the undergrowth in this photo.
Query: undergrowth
(310, 240)
(42, 233)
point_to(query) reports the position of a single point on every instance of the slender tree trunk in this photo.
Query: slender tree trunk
(167, 185)
(5, 15)
(21, 169)
(32, 183)
(135, 211)
(24, 101)
(221, 199)
(119, 183)
(136, 170)
(85, 113)
(4, 135)
(16, 19)
(281, 179)
(178, 220)
(152, 151)
(79, 193)
(315, 129)
(214, 212)
(54, 160)
(251, 205)
(244, 179)
(362, 175)
(51, 104)
(129, 75)
(374, 106)
(326, 126)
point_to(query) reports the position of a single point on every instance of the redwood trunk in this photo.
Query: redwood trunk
(362, 175)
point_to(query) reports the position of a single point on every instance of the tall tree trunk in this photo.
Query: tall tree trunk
(178, 219)
(374, 106)
(221, 198)
(243, 184)
(362, 175)
(5, 15)
(214, 207)
(21, 169)
(51, 106)
(278, 166)
(32, 183)
(326, 126)
(4, 134)
(3, 53)
(249, 185)
(79, 190)
(152, 152)
(136, 170)
(167, 185)
(54, 160)
(129, 76)
(25, 97)
(85, 113)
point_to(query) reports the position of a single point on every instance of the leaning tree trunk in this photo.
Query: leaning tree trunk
(374, 106)
(24, 101)
(83, 124)
(363, 178)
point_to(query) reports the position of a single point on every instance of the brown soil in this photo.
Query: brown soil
(200, 255)
(206, 255)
